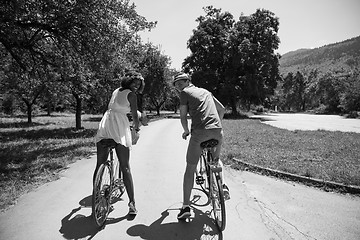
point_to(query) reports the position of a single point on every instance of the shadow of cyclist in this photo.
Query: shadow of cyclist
(200, 226)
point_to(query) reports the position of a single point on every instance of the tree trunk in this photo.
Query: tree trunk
(158, 110)
(233, 106)
(78, 111)
(48, 107)
(28, 109)
(29, 112)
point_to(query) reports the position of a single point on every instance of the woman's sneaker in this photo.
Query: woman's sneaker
(132, 208)
(184, 213)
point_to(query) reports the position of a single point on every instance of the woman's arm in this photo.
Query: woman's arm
(133, 107)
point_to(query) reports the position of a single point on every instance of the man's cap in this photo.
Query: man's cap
(181, 76)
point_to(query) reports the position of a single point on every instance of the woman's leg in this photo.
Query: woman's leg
(101, 152)
(123, 154)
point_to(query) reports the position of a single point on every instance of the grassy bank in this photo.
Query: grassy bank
(31, 155)
(326, 155)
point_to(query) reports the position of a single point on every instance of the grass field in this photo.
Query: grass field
(326, 155)
(31, 155)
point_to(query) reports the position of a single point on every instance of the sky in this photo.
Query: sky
(303, 23)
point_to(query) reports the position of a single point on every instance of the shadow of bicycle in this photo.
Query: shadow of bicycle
(198, 227)
(79, 226)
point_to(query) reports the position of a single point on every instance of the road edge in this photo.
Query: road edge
(314, 182)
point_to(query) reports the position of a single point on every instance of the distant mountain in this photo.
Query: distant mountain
(336, 57)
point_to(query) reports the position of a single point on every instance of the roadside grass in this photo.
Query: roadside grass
(31, 155)
(326, 155)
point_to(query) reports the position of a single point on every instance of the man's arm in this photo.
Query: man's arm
(184, 120)
(219, 107)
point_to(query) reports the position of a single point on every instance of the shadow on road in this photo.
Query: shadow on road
(199, 198)
(78, 227)
(86, 201)
(201, 226)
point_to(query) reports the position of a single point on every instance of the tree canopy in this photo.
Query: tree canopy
(83, 45)
(235, 59)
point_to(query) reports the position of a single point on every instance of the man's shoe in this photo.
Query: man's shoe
(226, 192)
(132, 209)
(184, 213)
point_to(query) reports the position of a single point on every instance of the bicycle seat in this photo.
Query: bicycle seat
(110, 143)
(209, 143)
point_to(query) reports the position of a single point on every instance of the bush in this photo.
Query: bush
(8, 104)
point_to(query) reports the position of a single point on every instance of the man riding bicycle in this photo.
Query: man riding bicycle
(206, 113)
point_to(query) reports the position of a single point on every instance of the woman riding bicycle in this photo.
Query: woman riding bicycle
(115, 125)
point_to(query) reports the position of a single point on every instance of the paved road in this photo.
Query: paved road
(260, 207)
(301, 121)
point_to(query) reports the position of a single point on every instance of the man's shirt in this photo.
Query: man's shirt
(201, 107)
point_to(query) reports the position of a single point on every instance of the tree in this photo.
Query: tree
(350, 97)
(26, 85)
(235, 60)
(154, 68)
(293, 90)
(209, 48)
(45, 33)
(254, 62)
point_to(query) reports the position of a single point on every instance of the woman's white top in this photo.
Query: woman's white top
(115, 124)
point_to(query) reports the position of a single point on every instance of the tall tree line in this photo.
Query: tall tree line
(330, 92)
(70, 52)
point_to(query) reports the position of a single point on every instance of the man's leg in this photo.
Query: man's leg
(188, 183)
(192, 158)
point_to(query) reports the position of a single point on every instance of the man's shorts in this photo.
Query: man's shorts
(197, 137)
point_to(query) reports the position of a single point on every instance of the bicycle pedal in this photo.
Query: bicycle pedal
(199, 180)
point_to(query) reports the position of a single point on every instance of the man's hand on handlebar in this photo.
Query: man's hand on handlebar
(185, 134)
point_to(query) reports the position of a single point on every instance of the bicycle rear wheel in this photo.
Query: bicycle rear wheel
(202, 177)
(118, 187)
(218, 200)
(101, 194)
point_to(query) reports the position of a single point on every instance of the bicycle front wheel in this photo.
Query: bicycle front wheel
(101, 195)
(218, 200)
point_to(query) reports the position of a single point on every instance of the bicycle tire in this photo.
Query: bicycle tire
(218, 200)
(202, 171)
(101, 194)
(117, 177)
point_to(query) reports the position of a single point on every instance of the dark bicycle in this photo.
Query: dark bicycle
(208, 176)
